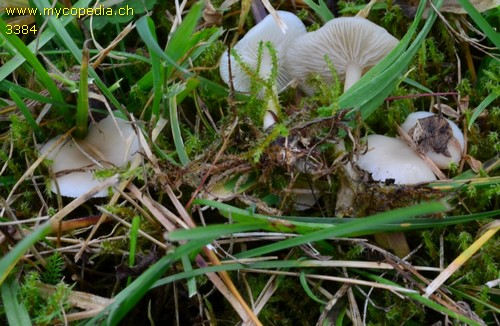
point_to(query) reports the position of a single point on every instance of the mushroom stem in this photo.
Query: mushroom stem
(353, 73)
(273, 108)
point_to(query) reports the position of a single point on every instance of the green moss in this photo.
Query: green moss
(44, 309)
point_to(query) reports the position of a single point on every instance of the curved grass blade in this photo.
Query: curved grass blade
(7, 86)
(307, 289)
(16, 312)
(305, 225)
(146, 29)
(361, 225)
(27, 114)
(476, 16)
(41, 40)
(128, 298)
(9, 261)
(425, 301)
(28, 55)
(367, 225)
(481, 107)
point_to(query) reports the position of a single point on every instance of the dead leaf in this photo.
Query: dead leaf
(211, 16)
(476, 165)
(432, 133)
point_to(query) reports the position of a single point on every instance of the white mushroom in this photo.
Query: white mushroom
(352, 44)
(443, 145)
(390, 158)
(247, 49)
(107, 144)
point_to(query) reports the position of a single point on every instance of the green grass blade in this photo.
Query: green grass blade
(174, 124)
(41, 40)
(355, 227)
(182, 41)
(16, 312)
(304, 225)
(145, 28)
(481, 107)
(134, 234)
(9, 261)
(307, 289)
(321, 9)
(26, 53)
(7, 86)
(476, 16)
(425, 301)
(213, 231)
(153, 46)
(128, 298)
(27, 114)
(56, 25)
(82, 106)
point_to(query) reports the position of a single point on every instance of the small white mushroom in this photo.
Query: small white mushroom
(247, 49)
(443, 145)
(390, 158)
(112, 142)
(352, 44)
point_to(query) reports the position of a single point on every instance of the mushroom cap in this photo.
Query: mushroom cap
(455, 145)
(346, 41)
(391, 158)
(107, 144)
(248, 50)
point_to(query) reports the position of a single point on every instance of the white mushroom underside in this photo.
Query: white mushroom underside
(390, 158)
(248, 50)
(344, 40)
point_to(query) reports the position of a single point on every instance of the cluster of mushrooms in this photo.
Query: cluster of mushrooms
(352, 45)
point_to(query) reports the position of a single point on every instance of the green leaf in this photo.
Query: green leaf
(17, 314)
